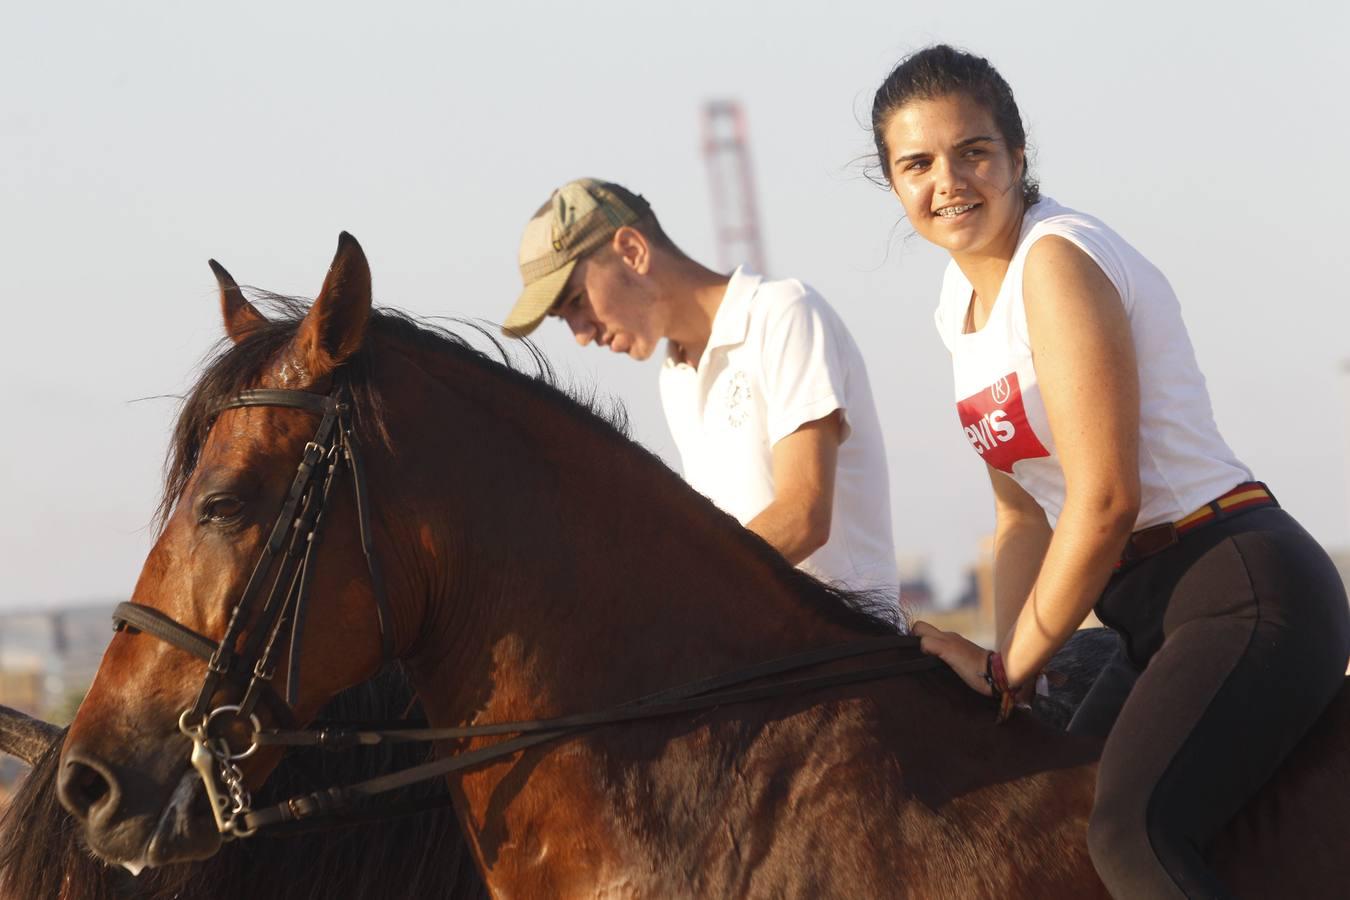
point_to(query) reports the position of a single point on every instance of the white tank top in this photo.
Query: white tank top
(1183, 461)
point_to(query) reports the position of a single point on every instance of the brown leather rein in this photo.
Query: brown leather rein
(293, 540)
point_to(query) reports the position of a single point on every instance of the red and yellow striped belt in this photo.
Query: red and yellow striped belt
(1157, 538)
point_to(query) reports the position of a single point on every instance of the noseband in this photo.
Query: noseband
(293, 540)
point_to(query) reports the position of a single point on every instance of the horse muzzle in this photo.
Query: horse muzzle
(126, 816)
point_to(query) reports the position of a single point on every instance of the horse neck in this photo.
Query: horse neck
(566, 568)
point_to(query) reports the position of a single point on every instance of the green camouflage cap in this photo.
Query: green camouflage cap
(579, 217)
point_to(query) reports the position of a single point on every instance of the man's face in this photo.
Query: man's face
(606, 302)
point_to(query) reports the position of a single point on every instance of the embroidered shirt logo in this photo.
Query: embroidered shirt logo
(738, 399)
(996, 425)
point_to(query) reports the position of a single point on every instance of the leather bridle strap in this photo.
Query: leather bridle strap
(335, 436)
(287, 525)
(136, 617)
(296, 569)
(693, 696)
(156, 624)
(293, 538)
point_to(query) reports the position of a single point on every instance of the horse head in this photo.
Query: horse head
(124, 770)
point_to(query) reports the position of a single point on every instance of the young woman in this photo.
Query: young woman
(1077, 385)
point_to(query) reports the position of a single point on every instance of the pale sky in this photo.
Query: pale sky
(137, 140)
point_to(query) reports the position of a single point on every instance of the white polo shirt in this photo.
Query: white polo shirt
(778, 358)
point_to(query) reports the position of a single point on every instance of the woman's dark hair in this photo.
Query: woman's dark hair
(939, 71)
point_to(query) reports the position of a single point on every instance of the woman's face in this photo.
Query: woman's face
(958, 180)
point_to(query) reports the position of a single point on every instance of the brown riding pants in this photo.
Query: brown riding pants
(1235, 640)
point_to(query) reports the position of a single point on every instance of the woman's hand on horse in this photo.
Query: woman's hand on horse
(965, 658)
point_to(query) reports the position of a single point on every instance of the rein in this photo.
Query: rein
(293, 540)
(692, 696)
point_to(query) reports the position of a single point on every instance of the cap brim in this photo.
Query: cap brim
(535, 301)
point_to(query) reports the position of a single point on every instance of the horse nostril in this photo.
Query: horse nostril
(86, 787)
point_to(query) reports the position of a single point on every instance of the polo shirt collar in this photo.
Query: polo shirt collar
(733, 316)
(732, 321)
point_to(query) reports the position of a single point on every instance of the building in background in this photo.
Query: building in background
(970, 612)
(47, 661)
(48, 658)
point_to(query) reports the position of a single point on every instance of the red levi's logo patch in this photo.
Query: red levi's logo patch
(996, 424)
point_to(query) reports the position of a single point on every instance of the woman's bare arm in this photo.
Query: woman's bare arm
(1021, 536)
(1085, 365)
(1084, 356)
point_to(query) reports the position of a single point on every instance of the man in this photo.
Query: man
(764, 389)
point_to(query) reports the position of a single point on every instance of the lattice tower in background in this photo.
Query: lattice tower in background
(730, 176)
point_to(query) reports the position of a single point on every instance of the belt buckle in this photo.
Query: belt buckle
(1154, 539)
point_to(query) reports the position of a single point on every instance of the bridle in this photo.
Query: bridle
(293, 540)
(290, 549)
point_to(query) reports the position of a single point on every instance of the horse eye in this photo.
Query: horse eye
(222, 508)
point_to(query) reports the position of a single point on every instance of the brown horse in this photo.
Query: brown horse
(537, 564)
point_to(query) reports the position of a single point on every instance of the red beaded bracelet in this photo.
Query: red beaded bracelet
(996, 676)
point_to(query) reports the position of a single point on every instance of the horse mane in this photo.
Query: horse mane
(235, 367)
(425, 855)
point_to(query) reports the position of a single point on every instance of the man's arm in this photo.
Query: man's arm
(797, 522)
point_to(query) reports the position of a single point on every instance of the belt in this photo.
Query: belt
(1157, 538)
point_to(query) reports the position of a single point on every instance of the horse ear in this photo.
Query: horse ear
(240, 316)
(336, 324)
